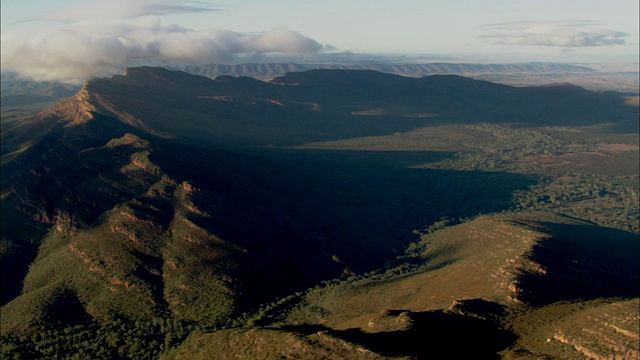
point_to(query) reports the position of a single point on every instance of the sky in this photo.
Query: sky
(72, 40)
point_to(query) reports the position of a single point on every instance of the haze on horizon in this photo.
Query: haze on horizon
(70, 41)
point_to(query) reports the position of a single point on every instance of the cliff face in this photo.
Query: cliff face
(522, 273)
(323, 104)
(160, 197)
(77, 108)
(599, 329)
(146, 229)
(58, 169)
(131, 240)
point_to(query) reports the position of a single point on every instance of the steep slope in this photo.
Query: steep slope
(462, 100)
(148, 201)
(117, 221)
(123, 207)
(146, 227)
(39, 190)
(17, 91)
(598, 329)
(518, 74)
(499, 269)
(271, 344)
(131, 211)
(325, 104)
(415, 336)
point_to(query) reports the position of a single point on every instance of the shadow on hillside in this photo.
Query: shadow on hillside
(295, 211)
(596, 262)
(432, 334)
(13, 268)
(359, 206)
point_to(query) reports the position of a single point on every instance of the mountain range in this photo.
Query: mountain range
(270, 71)
(189, 216)
(17, 91)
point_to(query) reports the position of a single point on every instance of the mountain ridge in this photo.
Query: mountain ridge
(393, 313)
(20, 92)
(446, 96)
(157, 204)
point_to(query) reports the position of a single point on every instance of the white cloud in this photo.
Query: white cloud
(98, 38)
(279, 40)
(566, 34)
(73, 53)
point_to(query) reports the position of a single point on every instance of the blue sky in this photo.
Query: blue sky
(71, 39)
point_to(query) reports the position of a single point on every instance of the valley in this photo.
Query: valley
(348, 213)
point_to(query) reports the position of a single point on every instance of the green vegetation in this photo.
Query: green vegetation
(576, 330)
(585, 172)
(610, 201)
(575, 178)
(271, 343)
(435, 209)
(117, 339)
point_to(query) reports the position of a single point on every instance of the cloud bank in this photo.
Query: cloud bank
(86, 41)
(566, 34)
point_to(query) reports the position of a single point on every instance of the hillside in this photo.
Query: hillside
(158, 213)
(21, 95)
(518, 74)
(499, 280)
(329, 104)
(508, 260)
